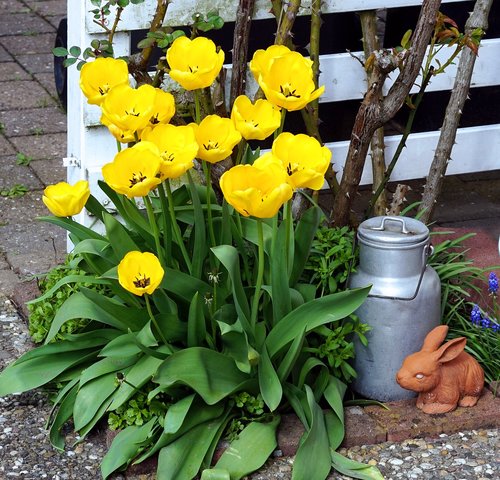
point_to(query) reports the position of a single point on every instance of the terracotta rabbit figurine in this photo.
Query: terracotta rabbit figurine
(444, 376)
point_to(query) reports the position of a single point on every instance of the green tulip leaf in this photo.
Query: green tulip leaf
(176, 414)
(64, 413)
(354, 469)
(280, 290)
(118, 236)
(269, 382)
(196, 327)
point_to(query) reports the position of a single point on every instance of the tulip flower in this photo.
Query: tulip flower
(97, 78)
(288, 82)
(303, 158)
(130, 109)
(257, 191)
(262, 59)
(194, 63)
(134, 172)
(216, 137)
(140, 273)
(163, 107)
(65, 200)
(255, 121)
(177, 147)
(123, 136)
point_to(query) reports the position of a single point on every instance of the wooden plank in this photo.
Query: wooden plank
(137, 17)
(476, 150)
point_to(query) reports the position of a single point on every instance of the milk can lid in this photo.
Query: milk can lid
(393, 230)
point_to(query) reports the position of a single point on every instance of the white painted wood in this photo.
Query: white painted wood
(137, 17)
(476, 150)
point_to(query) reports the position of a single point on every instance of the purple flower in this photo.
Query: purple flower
(495, 327)
(475, 315)
(493, 283)
(485, 323)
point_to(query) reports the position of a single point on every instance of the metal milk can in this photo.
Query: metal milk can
(404, 303)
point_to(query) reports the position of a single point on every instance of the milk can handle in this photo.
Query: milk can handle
(426, 252)
(387, 219)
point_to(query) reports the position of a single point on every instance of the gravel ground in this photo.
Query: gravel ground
(25, 451)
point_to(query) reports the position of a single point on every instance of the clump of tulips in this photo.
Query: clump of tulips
(208, 299)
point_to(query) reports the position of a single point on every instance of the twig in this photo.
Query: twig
(459, 93)
(398, 199)
(285, 25)
(240, 48)
(373, 112)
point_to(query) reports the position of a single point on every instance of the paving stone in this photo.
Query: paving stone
(361, 429)
(23, 293)
(27, 265)
(49, 171)
(8, 282)
(55, 20)
(49, 7)
(11, 174)
(37, 147)
(23, 24)
(35, 121)
(12, 6)
(4, 55)
(13, 71)
(37, 63)
(23, 94)
(29, 44)
(5, 147)
(47, 81)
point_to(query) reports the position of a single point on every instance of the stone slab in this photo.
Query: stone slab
(49, 8)
(49, 171)
(22, 293)
(33, 121)
(24, 94)
(52, 145)
(5, 147)
(47, 82)
(4, 55)
(37, 63)
(29, 265)
(12, 174)
(23, 24)
(13, 71)
(13, 6)
(29, 44)
(8, 282)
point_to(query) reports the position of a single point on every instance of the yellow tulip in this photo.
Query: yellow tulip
(194, 63)
(262, 59)
(303, 158)
(123, 136)
(98, 77)
(163, 107)
(257, 191)
(255, 121)
(288, 82)
(65, 200)
(140, 273)
(177, 147)
(134, 172)
(216, 137)
(130, 109)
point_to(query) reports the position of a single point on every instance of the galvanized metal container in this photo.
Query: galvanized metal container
(403, 306)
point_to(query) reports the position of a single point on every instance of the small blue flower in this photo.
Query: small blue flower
(495, 326)
(493, 283)
(475, 315)
(485, 323)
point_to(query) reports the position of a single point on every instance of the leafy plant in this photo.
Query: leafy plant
(333, 254)
(17, 190)
(22, 159)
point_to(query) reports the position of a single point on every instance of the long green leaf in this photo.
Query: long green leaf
(182, 459)
(250, 450)
(282, 303)
(354, 469)
(118, 236)
(235, 343)
(314, 445)
(90, 397)
(200, 249)
(196, 328)
(334, 419)
(329, 308)
(183, 285)
(75, 228)
(229, 257)
(291, 356)
(125, 447)
(64, 413)
(176, 414)
(107, 365)
(33, 373)
(269, 382)
(212, 375)
(304, 236)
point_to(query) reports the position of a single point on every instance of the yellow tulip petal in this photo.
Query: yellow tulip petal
(255, 121)
(64, 200)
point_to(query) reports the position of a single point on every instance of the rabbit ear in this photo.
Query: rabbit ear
(451, 350)
(435, 338)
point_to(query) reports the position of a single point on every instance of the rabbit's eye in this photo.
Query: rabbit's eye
(419, 376)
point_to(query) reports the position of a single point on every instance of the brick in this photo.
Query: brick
(33, 121)
(289, 433)
(8, 281)
(12, 71)
(49, 171)
(29, 44)
(23, 24)
(37, 63)
(23, 94)
(12, 6)
(38, 147)
(22, 293)
(361, 429)
(5, 148)
(12, 174)
(49, 8)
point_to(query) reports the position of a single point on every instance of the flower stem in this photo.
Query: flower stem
(208, 180)
(289, 226)
(153, 319)
(197, 109)
(175, 225)
(118, 146)
(242, 150)
(282, 124)
(154, 228)
(260, 274)
(167, 228)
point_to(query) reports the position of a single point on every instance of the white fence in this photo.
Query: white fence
(90, 145)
